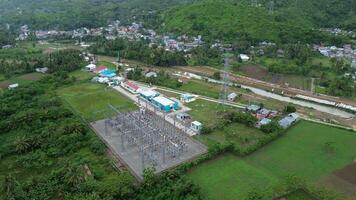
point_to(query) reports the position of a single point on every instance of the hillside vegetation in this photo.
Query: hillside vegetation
(231, 19)
(44, 14)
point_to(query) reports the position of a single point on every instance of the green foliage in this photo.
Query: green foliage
(271, 127)
(228, 20)
(290, 109)
(162, 79)
(138, 50)
(6, 38)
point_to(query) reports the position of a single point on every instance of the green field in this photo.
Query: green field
(205, 111)
(208, 113)
(299, 195)
(91, 100)
(82, 75)
(229, 178)
(302, 151)
(201, 88)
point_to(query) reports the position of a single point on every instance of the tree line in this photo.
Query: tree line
(138, 50)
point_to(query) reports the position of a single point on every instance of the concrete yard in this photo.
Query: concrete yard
(139, 148)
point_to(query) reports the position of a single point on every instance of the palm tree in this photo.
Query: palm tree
(22, 144)
(8, 186)
(74, 175)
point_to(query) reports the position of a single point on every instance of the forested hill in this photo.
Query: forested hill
(70, 14)
(322, 13)
(232, 18)
(288, 14)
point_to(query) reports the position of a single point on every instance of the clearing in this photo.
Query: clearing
(302, 151)
(21, 80)
(91, 100)
(228, 177)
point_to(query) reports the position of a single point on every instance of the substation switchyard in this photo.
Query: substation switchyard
(142, 139)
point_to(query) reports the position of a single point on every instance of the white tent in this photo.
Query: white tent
(90, 67)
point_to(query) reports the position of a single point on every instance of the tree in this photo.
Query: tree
(217, 75)
(9, 186)
(290, 109)
(22, 144)
(73, 175)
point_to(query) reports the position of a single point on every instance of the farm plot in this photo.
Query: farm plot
(91, 100)
(22, 79)
(308, 150)
(230, 178)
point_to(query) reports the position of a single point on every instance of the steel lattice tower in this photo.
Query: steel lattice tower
(226, 81)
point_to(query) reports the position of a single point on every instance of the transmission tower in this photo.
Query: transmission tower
(271, 7)
(118, 57)
(226, 81)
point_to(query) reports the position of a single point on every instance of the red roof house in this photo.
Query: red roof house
(130, 86)
(100, 69)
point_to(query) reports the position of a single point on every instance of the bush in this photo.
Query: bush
(290, 109)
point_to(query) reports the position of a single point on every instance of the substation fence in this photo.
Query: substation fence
(156, 140)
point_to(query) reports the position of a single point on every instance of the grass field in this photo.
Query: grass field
(205, 111)
(208, 113)
(91, 100)
(201, 88)
(81, 75)
(299, 195)
(302, 151)
(229, 178)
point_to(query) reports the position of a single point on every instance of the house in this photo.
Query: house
(13, 86)
(182, 116)
(288, 120)
(131, 87)
(263, 122)
(196, 126)
(103, 80)
(42, 70)
(280, 53)
(90, 67)
(353, 64)
(253, 108)
(148, 94)
(232, 96)
(108, 73)
(187, 98)
(6, 46)
(165, 104)
(151, 74)
(244, 57)
(263, 113)
(100, 69)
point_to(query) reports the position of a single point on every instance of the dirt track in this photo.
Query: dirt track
(343, 180)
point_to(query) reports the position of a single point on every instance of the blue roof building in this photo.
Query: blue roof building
(165, 104)
(108, 73)
(148, 94)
